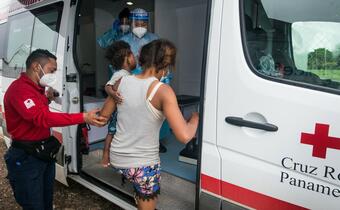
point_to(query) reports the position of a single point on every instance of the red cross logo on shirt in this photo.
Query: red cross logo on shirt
(320, 140)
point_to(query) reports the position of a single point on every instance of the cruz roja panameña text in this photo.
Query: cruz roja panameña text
(323, 172)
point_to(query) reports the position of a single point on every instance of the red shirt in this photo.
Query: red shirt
(28, 117)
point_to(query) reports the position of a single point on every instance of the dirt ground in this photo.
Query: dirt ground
(68, 198)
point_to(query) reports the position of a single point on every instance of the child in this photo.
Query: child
(123, 61)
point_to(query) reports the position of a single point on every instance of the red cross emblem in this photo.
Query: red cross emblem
(320, 140)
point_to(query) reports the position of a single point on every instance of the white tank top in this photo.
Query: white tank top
(136, 142)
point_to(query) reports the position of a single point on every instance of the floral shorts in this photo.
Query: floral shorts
(145, 180)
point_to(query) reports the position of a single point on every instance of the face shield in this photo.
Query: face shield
(139, 22)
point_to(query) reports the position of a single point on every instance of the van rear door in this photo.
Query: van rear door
(31, 26)
(278, 125)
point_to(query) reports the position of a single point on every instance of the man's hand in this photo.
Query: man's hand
(92, 118)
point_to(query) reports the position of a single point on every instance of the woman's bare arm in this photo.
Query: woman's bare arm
(183, 130)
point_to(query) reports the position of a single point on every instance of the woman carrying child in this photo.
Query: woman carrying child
(123, 61)
(146, 104)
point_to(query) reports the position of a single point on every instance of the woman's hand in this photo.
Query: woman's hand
(183, 130)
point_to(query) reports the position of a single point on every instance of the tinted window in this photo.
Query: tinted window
(29, 31)
(316, 48)
(295, 42)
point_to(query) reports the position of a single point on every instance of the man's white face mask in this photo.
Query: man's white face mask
(47, 80)
(139, 31)
(124, 28)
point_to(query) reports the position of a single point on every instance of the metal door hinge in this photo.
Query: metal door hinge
(73, 2)
(68, 159)
(68, 44)
(72, 77)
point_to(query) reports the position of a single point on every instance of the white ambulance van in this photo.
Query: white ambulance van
(265, 75)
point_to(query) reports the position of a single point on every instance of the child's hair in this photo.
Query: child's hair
(159, 53)
(117, 52)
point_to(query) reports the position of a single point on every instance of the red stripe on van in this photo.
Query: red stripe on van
(58, 135)
(211, 184)
(245, 196)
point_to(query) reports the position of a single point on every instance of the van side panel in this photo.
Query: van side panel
(266, 169)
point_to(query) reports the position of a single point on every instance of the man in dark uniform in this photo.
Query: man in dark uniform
(30, 159)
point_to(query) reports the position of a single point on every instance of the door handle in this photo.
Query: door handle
(75, 100)
(238, 121)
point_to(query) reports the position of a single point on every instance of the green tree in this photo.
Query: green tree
(337, 56)
(320, 58)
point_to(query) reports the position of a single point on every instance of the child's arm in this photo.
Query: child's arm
(109, 90)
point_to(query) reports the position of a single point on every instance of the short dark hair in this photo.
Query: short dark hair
(125, 13)
(41, 56)
(159, 53)
(117, 52)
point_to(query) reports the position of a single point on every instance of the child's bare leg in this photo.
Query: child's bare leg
(106, 150)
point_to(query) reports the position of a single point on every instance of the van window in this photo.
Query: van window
(19, 39)
(289, 42)
(45, 35)
(316, 48)
(29, 31)
(2, 39)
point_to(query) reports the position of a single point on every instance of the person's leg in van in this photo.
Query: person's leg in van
(49, 177)
(26, 176)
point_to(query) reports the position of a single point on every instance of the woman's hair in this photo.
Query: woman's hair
(159, 53)
(117, 53)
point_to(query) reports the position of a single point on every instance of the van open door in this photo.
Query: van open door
(32, 26)
(277, 126)
(71, 99)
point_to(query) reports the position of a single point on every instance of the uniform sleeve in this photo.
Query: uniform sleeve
(31, 108)
(156, 37)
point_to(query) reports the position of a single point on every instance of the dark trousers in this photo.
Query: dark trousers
(31, 179)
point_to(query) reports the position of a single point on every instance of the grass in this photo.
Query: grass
(333, 74)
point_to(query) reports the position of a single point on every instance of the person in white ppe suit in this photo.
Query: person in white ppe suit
(139, 35)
